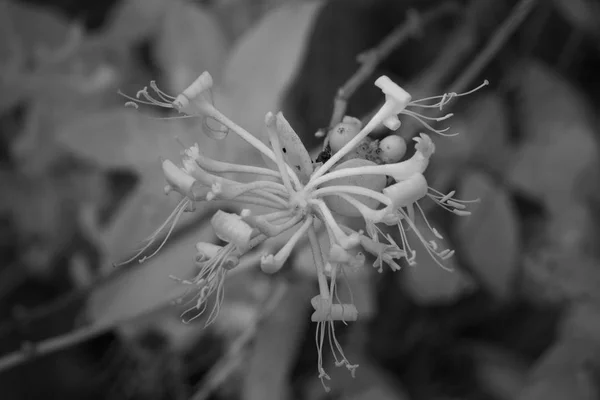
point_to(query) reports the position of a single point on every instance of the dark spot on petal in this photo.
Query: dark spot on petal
(284, 150)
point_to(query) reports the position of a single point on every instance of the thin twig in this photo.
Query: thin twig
(30, 351)
(234, 356)
(452, 53)
(370, 59)
(497, 41)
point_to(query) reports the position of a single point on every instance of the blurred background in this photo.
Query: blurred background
(81, 187)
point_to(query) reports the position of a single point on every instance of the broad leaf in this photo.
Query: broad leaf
(263, 64)
(189, 42)
(560, 155)
(489, 238)
(121, 32)
(124, 138)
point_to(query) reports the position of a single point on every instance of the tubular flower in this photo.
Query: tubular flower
(297, 192)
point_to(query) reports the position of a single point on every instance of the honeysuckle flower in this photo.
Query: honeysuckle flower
(296, 194)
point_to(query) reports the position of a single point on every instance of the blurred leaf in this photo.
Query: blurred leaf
(557, 275)
(427, 282)
(569, 368)
(190, 41)
(276, 345)
(121, 138)
(142, 213)
(132, 21)
(487, 128)
(565, 371)
(483, 141)
(559, 160)
(584, 14)
(500, 371)
(27, 29)
(29, 37)
(237, 16)
(489, 238)
(263, 64)
(145, 287)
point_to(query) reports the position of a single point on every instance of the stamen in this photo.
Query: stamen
(325, 314)
(212, 276)
(435, 232)
(432, 253)
(162, 95)
(445, 98)
(173, 218)
(152, 100)
(419, 118)
(135, 100)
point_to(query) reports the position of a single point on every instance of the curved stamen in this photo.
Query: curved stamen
(173, 218)
(419, 118)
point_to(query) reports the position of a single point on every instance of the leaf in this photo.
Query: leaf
(28, 29)
(584, 14)
(427, 282)
(190, 41)
(237, 16)
(483, 141)
(145, 287)
(565, 371)
(276, 345)
(559, 158)
(27, 35)
(569, 368)
(140, 215)
(123, 138)
(488, 130)
(498, 370)
(263, 64)
(131, 22)
(489, 238)
(558, 275)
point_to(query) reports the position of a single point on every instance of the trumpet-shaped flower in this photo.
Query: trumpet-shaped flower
(295, 195)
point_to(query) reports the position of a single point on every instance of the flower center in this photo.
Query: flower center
(299, 202)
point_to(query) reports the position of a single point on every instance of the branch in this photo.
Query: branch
(30, 351)
(498, 40)
(475, 67)
(370, 59)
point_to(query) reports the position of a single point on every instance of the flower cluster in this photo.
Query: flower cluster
(306, 196)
